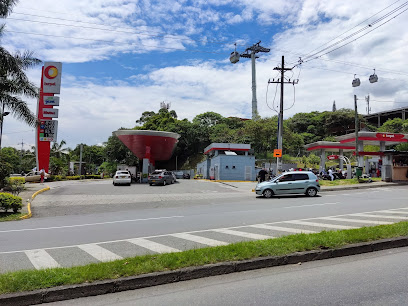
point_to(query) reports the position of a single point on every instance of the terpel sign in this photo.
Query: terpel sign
(52, 77)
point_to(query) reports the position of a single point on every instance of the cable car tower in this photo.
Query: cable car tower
(250, 53)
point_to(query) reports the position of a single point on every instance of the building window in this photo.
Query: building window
(233, 167)
(226, 167)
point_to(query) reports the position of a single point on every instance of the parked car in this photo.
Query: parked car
(160, 177)
(186, 176)
(179, 174)
(293, 182)
(122, 177)
(35, 176)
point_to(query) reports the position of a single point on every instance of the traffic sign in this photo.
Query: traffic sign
(277, 153)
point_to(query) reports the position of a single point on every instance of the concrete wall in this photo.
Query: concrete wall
(203, 168)
(232, 167)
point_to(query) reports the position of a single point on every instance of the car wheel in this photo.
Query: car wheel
(114, 184)
(311, 192)
(268, 193)
(150, 184)
(164, 183)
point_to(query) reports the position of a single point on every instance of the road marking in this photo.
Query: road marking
(307, 205)
(355, 220)
(243, 234)
(320, 224)
(208, 230)
(379, 216)
(153, 246)
(393, 212)
(283, 229)
(199, 239)
(88, 224)
(41, 259)
(99, 252)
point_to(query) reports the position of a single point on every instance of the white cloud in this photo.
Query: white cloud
(91, 108)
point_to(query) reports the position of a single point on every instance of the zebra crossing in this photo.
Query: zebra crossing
(177, 242)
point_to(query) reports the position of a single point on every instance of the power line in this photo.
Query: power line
(110, 42)
(131, 31)
(307, 55)
(353, 39)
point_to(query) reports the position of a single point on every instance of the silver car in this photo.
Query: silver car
(160, 177)
(305, 182)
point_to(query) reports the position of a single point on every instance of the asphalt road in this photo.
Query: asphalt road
(101, 222)
(369, 279)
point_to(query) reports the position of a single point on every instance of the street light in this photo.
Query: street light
(2, 115)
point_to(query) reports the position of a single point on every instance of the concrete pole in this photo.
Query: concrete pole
(341, 160)
(254, 101)
(80, 160)
(280, 122)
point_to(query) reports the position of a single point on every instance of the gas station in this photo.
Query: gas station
(384, 161)
(149, 146)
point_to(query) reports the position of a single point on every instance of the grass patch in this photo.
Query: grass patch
(345, 182)
(10, 216)
(33, 279)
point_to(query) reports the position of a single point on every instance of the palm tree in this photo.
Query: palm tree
(13, 80)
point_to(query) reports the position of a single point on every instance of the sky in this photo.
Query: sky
(123, 57)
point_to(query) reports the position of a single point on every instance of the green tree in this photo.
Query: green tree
(14, 83)
(396, 125)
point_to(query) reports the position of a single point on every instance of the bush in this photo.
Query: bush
(14, 184)
(75, 177)
(9, 201)
(92, 176)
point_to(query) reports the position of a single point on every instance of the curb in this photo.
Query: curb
(160, 278)
(29, 215)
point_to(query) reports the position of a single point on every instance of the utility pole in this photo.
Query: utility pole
(356, 128)
(80, 160)
(282, 81)
(21, 153)
(251, 53)
(368, 104)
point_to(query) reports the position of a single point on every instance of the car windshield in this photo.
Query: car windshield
(122, 172)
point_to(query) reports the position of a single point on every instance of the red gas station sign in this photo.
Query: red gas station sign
(47, 131)
(389, 136)
(332, 157)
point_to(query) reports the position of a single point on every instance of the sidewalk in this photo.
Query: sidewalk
(249, 186)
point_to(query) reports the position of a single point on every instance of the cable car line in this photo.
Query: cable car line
(315, 55)
(306, 55)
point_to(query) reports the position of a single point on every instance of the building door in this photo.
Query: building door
(248, 173)
(216, 173)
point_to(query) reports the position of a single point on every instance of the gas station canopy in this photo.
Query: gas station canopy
(152, 145)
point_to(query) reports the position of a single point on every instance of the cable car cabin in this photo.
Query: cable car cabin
(356, 82)
(373, 78)
(234, 57)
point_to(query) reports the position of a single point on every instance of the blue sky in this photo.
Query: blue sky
(123, 57)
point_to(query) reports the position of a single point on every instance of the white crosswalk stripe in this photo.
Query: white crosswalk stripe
(380, 216)
(320, 224)
(282, 229)
(355, 220)
(99, 252)
(153, 246)
(393, 212)
(199, 239)
(41, 259)
(243, 234)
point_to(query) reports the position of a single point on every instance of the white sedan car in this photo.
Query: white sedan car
(122, 177)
